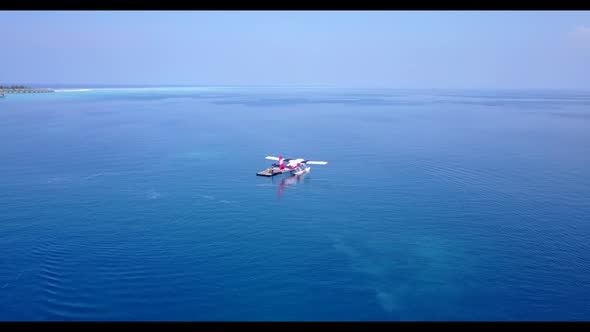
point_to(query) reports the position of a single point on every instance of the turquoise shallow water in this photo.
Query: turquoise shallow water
(143, 204)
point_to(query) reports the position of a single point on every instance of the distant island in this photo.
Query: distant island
(5, 89)
(2, 87)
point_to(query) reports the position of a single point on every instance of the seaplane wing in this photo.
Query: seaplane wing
(297, 161)
(312, 162)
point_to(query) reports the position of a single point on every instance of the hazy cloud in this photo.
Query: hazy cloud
(581, 36)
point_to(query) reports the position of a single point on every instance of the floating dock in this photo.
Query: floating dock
(273, 171)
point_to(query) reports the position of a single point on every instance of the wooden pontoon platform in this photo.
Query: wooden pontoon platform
(273, 171)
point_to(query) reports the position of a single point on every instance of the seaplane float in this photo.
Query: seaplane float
(294, 166)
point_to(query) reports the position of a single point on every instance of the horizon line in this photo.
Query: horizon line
(118, 85)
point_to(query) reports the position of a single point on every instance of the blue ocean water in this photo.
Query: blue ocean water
(143, 204)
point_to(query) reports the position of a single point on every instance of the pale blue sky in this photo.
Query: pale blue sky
(398, 49)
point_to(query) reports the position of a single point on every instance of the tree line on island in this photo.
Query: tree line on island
(13, 87)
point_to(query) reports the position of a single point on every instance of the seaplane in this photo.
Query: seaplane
(294, 166)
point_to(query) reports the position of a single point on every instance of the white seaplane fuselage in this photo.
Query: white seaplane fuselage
(296, 170)
(301, 169)
(297, 167)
